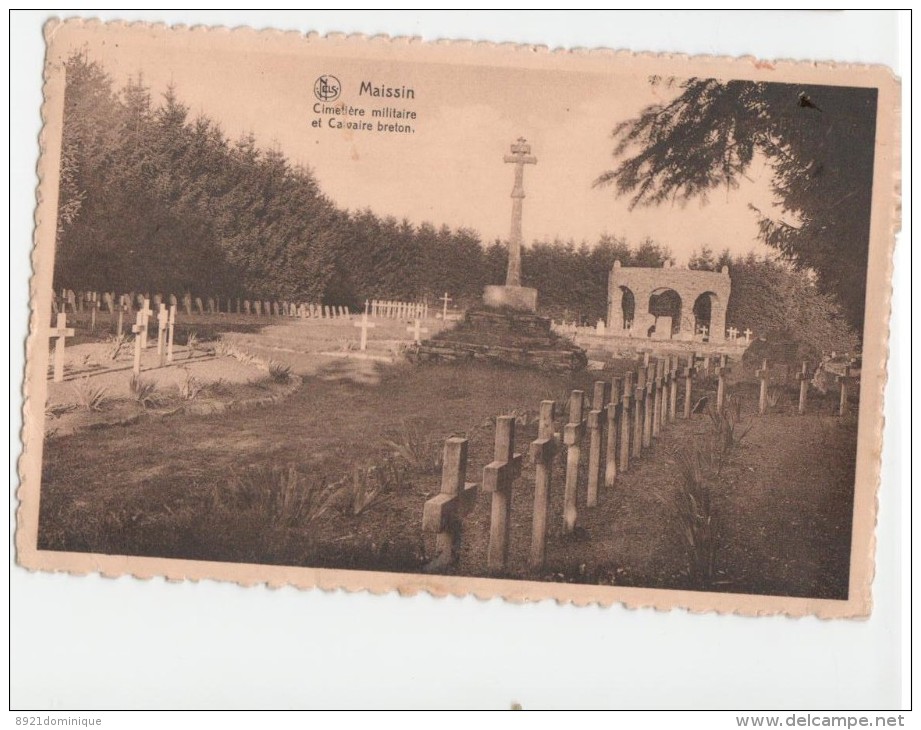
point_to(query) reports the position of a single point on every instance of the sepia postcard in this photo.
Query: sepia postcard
(387, 315)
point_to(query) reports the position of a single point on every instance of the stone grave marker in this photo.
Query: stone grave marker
(145, 313)
(162, 324)
(61, 332)
(572, 437)
(443, 514)
(138, 328)
(498, 478)
(596, 422)
(613, 413)
(171, 326)
(543, 451)
(803, 377)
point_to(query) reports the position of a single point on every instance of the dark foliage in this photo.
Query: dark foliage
(821, 159)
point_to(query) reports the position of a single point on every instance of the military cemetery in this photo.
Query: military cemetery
(339, 389)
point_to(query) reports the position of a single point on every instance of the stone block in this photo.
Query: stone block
(521, 298)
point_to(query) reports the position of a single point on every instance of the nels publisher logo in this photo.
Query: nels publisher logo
(327, 88)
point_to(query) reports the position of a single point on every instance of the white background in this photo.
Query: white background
(93, 643)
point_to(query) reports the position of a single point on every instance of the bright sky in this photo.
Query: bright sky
(451, 170)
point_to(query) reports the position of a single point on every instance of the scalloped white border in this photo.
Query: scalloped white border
(886, 204)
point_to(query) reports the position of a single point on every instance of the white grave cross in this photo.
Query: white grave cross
(138, 328)
(364, 324)
(61, 331)
(748, 334)
(416, 330)
(733, 333)
(444, 313)
(162, 319)
(144, 313)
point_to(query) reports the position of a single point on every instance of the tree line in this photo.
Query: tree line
(153, 200)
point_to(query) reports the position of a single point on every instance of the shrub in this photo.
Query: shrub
(90, 397)
(413, 444)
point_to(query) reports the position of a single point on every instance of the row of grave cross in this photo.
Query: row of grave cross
(93, 302)
(627, 414)
(166, 323)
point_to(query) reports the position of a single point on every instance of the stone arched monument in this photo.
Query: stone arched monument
(667, 302)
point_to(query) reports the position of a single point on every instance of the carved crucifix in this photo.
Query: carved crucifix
(521, 156)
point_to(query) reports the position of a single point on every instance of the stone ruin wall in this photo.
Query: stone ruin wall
(688, 284)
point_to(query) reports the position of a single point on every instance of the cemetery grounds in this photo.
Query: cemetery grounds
(270, 440)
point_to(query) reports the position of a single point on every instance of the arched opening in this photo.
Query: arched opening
(703, 310)
(666, 303)
(627, 307)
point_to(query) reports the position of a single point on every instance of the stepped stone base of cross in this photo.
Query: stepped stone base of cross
(521, 298)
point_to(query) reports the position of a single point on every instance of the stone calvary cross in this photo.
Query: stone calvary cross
(521, 156)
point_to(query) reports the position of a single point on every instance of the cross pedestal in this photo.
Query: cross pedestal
(62, 332)
(498, 478)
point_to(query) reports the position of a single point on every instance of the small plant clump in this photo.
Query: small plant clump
(278, 496)
(728, 427)
(90, 397)
(115, 344)
(191, 343)
(414, 445)
(190, 387)
(279, 372)
(371, 486)
(145, 392)
(691, 513)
